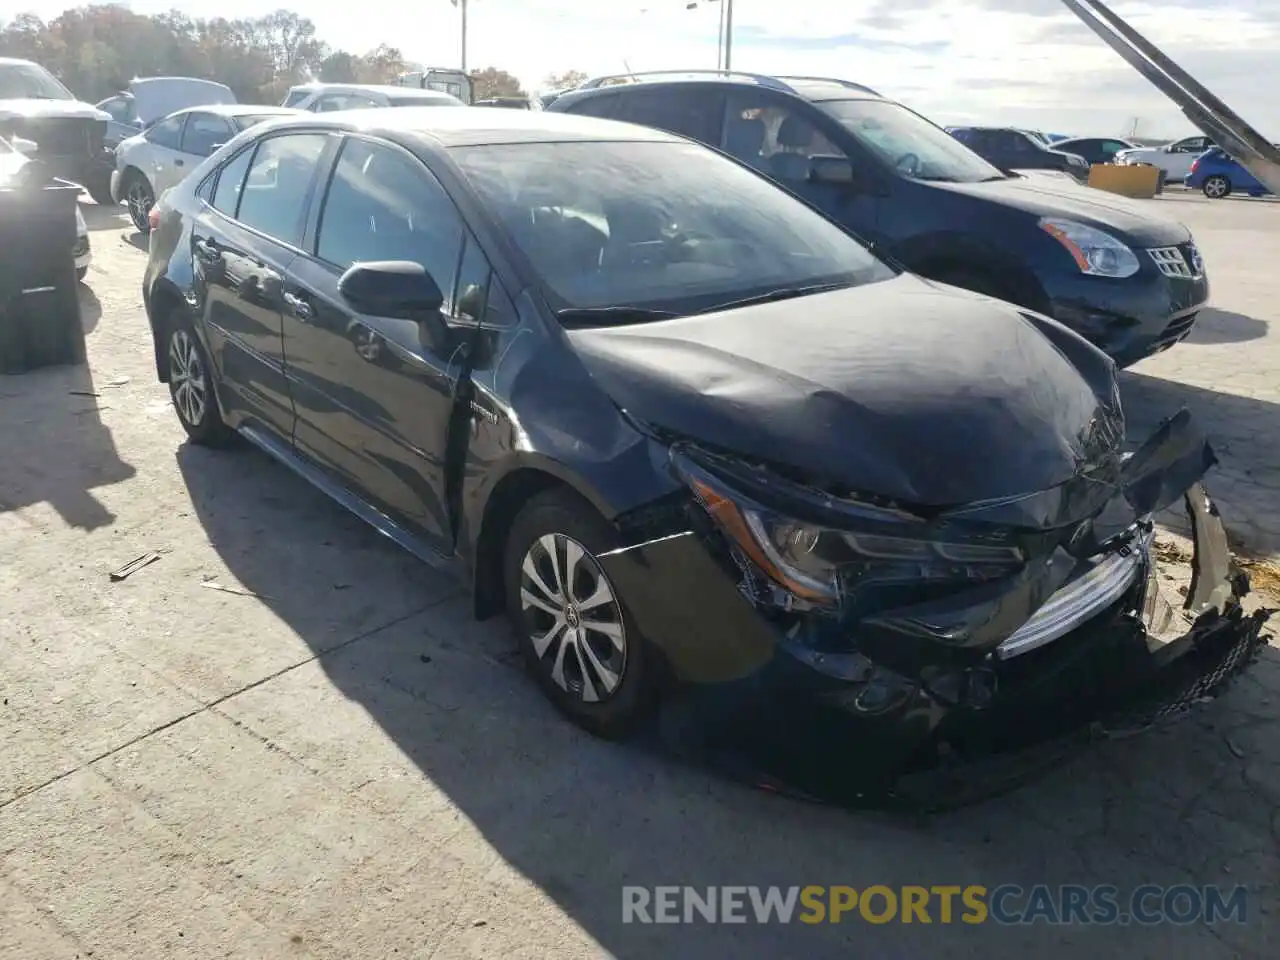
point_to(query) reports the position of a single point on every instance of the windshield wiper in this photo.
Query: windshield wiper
(604, 316)
(782, 293)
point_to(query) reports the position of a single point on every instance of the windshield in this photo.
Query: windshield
(27, 81)
(909, 143)
(657, 225)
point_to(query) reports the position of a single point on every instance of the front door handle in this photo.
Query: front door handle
(298, 307)
(178, 163)
(207, 251)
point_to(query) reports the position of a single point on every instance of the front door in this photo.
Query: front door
(375, 396)
(242, 246)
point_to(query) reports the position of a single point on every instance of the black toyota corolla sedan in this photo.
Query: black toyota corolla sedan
(696, 441)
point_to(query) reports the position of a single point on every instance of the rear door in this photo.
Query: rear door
(243, 241)
(375, 398)
(204, 132)
(165, 159)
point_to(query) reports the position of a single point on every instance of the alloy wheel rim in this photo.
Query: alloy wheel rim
(187, 379)
(139, 203)
(1216, 186)
(574, 618)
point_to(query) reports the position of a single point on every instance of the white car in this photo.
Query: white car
(150, 163)
(1174, 159)
(324, 97)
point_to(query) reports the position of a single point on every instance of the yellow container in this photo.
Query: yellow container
(1128, 181)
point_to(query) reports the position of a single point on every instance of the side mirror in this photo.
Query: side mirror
(23, 145)
(400, 290)
(830, 169)
(471, 303)
(139, 123)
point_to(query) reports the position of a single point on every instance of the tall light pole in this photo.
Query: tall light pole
(724, 35)
(462, 5)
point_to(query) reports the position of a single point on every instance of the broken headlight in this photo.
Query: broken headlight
(826, 551)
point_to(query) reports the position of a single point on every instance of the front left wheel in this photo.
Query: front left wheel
(572, 624)
(191, 388)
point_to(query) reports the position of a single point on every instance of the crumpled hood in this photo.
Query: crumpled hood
(1071, 201)
(30, 109)
(904, 388)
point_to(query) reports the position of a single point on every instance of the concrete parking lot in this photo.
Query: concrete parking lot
(285, 738)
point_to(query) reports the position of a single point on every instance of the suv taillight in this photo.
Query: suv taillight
(153, 218)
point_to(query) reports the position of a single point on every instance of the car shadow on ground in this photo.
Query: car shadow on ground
(580, 818)
(90, 307)
(1242, 431)
(54, 447)
(1223, 326)
(98, 217)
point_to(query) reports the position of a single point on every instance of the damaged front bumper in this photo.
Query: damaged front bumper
(948, 702)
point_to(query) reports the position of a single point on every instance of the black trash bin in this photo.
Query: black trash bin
(39, 307)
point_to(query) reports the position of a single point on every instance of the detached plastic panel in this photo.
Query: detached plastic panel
(39, 307)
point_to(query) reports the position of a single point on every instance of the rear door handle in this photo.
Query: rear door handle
(178, 163)
(298, 307)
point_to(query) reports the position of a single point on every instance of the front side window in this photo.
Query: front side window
(168, 132)
(120, 109)
(383, 204)
(295, 97)
(30, 81)
(909, 143)
(204, 133)
(774, 136)
(1111, 147)
(275, 191)
(668, 226)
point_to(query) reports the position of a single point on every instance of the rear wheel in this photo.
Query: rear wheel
(140, 198)
(574, 629)
(191, 387)
(1216, 187)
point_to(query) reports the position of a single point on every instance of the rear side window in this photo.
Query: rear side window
(774, 136)
(275, 191)
(383, 204)
(168, 132)
(227, 194)
(696, 114)
(607, 106)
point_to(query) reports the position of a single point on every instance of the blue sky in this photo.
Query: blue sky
(1026, 62)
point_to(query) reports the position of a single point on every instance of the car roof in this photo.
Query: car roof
(8, 61)
(816, 89)
(472, 126)
(390, 89)
(243, 109)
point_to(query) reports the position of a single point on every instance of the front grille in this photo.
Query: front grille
(59, 136)
(1171, 262)
(1177, 330)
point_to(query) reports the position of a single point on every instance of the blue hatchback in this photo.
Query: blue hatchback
(1216, 174)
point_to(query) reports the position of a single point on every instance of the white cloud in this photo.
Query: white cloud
(955, 60)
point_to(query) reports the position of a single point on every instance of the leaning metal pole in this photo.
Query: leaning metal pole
(1201, 107)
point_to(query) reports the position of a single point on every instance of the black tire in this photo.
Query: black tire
(1216, 187)
(139, 197)
(191, 386)
(566, 521)
(81, 272)
(99, 186)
